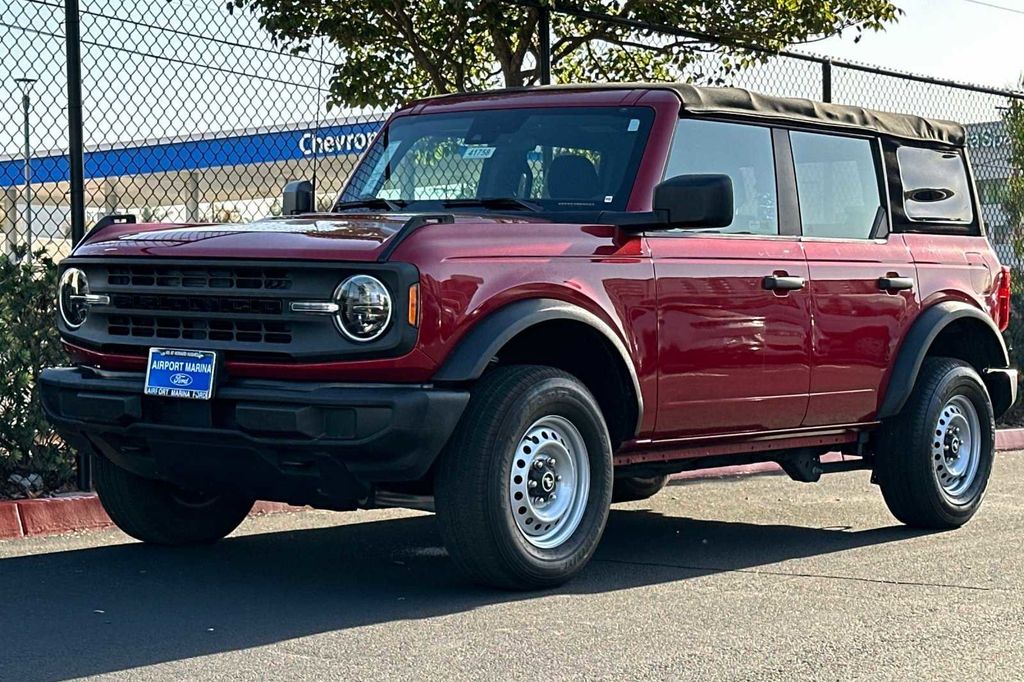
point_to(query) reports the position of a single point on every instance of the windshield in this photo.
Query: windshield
(569, 159)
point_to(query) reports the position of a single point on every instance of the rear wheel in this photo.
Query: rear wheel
(936, 455)
(163, 514)
(636, 488)
(523, 487)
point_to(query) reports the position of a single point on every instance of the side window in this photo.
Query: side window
(837, 184)
(935, 186)
(742, 152)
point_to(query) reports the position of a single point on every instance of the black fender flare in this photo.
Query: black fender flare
(918, 341)
(468, 360)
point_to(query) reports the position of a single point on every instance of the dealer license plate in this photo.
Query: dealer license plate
(176, 373)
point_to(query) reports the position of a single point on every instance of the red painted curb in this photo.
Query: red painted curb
(52, 515)
(62, 514)
(759, 468)
(10, 522)
(1010, 439)
(262, 508)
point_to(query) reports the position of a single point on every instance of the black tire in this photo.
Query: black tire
(473, 493)
(910, 459)
(636, 488)
(159, 513)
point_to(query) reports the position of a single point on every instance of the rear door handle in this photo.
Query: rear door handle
(895, 283)
(783, 283)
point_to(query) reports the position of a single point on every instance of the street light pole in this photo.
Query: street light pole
(26, 106)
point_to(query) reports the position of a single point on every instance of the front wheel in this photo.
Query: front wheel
(936, 455)
(523, 488)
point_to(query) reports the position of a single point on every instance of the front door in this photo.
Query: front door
(733, 304)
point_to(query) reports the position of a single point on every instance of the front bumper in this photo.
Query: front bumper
(325, 444)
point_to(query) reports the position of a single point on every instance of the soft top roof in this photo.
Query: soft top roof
(737, 102)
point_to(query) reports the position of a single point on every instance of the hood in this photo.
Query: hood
(353, 237)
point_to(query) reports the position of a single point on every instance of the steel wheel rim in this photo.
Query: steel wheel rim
(956, 447)
(549, 482)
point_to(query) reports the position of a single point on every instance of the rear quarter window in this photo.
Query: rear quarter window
(935, 186)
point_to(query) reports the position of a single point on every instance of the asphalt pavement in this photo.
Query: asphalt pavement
(744, 579)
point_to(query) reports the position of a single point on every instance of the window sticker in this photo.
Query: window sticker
(634, 125)
(477, 152)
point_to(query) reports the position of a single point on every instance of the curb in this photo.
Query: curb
(78, 512)
(1010, 439)
(1007, 440)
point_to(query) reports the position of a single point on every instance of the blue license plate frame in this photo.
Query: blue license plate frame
(179, 373)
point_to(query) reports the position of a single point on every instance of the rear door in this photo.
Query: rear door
(862, 279)
(734, 343)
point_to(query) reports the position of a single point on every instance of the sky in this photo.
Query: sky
(976, 41)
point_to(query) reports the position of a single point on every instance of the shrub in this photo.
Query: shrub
(29, 342)
(1015, 342)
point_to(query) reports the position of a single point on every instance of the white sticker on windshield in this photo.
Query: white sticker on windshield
(634, 125)
(477, 152)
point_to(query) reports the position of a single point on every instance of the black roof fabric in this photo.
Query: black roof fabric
(714, 101)
(739, 102)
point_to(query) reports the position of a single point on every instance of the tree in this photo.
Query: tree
(398, 50)
(1013, 203)
(1013, 199)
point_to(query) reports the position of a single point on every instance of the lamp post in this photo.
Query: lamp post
(26, 102)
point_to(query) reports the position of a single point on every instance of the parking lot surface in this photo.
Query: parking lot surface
(757, 578)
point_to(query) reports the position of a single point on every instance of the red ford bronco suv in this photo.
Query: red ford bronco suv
(529, 304)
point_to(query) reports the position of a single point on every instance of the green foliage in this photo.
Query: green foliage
(1013, 202)
(398, 51)
(1013, 197)
(28, 343)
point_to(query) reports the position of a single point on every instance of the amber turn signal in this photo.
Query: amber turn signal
(414, 305)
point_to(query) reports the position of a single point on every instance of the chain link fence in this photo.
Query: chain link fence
(191, 113)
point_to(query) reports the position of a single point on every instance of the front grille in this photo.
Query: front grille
(199, 277)
(233, 305)
(236, 330)
(238, 308)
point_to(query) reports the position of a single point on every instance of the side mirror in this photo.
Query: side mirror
(298, 197)
(695, 200)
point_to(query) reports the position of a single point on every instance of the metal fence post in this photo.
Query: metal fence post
(826, 80)
(26, 112)
(544, 47)
(76, 172)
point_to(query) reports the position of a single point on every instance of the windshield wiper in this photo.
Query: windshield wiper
(494, 203)
(372, 202)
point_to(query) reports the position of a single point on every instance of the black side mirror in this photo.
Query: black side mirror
(695, 200)
(298, 197)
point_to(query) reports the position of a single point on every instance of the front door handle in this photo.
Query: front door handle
(783, 283)
(895, 283)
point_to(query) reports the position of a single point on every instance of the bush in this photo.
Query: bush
(1015, 342)
(29, 342)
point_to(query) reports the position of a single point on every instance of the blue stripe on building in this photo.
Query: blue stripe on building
(287, 145)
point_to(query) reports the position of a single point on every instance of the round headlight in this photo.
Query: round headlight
(364, 307)
(71, 297)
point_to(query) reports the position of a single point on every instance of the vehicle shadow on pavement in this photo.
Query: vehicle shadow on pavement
(103, 609)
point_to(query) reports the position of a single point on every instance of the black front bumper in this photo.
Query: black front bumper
(324, 444)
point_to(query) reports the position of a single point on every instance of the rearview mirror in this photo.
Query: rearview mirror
(695, 201)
